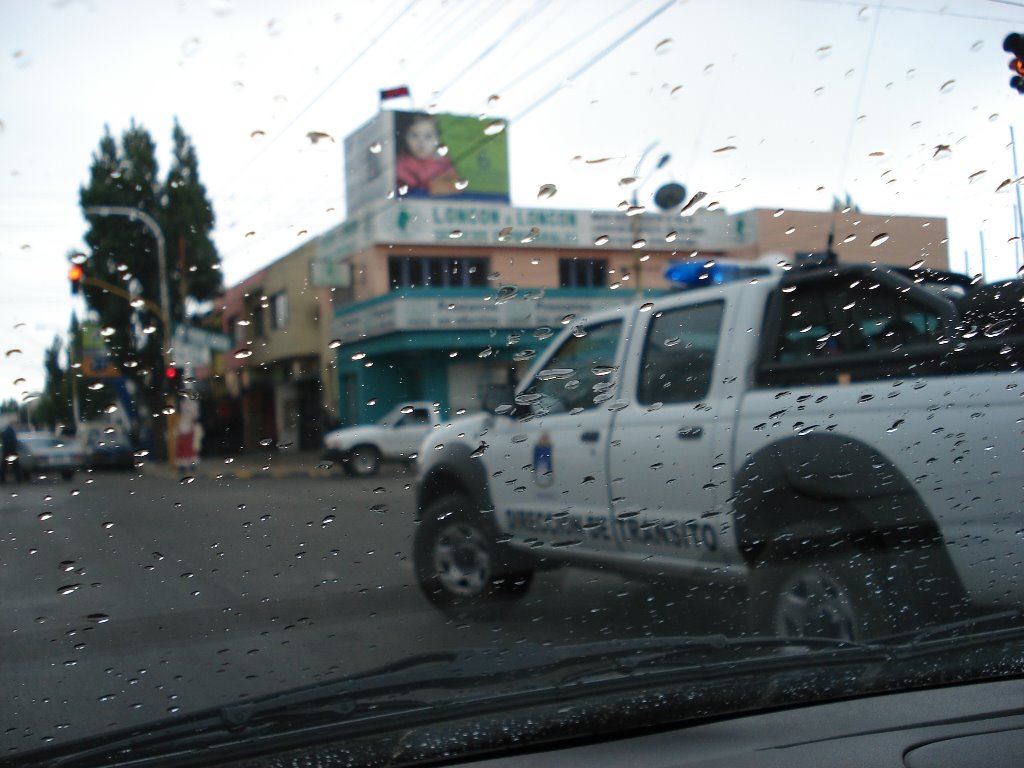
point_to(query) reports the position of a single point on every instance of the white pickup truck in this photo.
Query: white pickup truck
(838, 440)
(396, 436)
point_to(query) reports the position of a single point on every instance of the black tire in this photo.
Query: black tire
(460, 566)
(67, 474)
(850, 594)
(363, 461)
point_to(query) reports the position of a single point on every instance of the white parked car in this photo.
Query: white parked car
(40, 453)
(395, 437)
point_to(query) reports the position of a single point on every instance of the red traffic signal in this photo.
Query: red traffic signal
(75, 275)
(1014, 43)
(171, 373)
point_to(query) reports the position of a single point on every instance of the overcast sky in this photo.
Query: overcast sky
(849, 97)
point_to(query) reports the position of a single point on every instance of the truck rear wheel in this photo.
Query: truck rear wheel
(460, 565)
(846, 595)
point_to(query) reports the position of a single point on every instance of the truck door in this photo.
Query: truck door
(553, 489)
(667, 451)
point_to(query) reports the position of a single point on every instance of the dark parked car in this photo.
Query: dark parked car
(109, 448)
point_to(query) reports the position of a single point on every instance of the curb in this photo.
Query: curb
(243, 473)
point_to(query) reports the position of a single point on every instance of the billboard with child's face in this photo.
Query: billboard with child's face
(450, 156)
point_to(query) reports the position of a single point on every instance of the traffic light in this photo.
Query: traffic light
(75, 275)
(172, 380)
(1014, 43)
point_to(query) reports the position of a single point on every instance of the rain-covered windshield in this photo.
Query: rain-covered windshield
(704, 319)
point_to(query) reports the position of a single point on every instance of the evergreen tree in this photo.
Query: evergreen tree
(188, 221)
(124, 251)
(54, 405)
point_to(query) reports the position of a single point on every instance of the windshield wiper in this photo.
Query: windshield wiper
(523, 675)
(365, 698)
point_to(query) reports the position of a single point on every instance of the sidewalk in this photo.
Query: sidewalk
(274, 465)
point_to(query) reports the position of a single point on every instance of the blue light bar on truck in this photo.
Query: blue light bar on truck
(693, 274)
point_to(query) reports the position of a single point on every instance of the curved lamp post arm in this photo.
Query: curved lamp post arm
(161, 251)
(165, 301)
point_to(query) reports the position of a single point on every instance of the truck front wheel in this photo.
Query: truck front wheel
(460, 565)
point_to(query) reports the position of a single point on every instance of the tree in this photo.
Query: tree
(187, 222)
(54, 405)
(124, 251)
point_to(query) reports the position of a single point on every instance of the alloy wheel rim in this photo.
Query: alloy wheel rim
(814, 604)
(462, 560)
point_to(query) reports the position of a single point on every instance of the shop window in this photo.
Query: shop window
(437, 272)
(582, 273)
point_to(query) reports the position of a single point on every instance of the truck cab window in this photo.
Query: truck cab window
(591, 360)
(679, 354)
(826, 319)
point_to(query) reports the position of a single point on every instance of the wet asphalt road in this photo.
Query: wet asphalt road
(131, 599)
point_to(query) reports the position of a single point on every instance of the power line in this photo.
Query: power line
(516, 24)
(857, 101)
(369, 46)
(558, 52)
(449, 44)
(926, 11)
(596, 58)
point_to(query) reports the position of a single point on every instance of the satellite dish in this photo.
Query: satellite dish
(670, 196)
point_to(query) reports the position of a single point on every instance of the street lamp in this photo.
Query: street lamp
(151, 224)
(161, 250)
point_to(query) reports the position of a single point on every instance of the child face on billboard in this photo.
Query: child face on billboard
(422, 139)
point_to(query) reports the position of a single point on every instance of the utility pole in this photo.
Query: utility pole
(984, 268)
(1019, 224)
(76, 410)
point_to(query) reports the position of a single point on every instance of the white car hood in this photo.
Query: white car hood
(349, 436)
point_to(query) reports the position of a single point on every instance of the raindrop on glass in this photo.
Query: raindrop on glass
(494, 128)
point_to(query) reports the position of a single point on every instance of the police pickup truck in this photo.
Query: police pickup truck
(841, 442)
